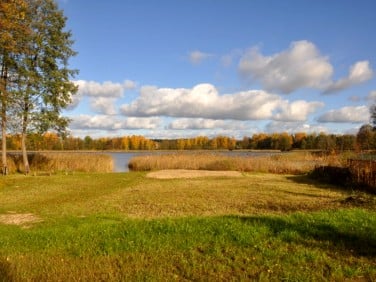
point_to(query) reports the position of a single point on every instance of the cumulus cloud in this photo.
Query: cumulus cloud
(300, 66)
(105, 89)
(204, 101)
(102, 95)
(200, 123)
(294, 127)
(297, 110)
(104, 122)
(358, 114)
(358, 73)
(196, 57)
(103, 105)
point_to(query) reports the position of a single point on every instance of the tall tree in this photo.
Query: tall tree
(44, 80)
(14, 30)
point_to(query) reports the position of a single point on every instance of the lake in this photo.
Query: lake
(121, 159)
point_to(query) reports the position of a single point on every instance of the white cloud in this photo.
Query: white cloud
(294, 127)
(358, 114)
(358, 73)
(297, 110)
(200, 123)
(102, 95)
(300, 66)
(104, 122)
(105, 89)
(196, 57)
(103, 105)
(142, 123)
(204, 101)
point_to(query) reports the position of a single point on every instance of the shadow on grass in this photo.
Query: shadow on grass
(345, 239)
(307, 179)
(333, 176)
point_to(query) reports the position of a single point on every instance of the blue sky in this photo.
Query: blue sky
(183, 68)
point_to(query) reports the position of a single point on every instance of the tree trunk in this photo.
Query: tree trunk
(4, 147)
(3, 80)
(25, 122)
(24, 154)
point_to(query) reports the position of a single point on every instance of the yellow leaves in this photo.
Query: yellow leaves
(14, 26)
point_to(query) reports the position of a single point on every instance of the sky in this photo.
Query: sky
(185, 68)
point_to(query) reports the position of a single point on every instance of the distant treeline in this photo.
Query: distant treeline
(364, 140)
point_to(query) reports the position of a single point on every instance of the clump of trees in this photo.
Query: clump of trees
(35, 80)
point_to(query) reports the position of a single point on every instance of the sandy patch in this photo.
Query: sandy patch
(185, 173)
(21, 219)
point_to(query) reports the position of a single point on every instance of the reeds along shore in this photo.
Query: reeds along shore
(52, 162)
(292, 163)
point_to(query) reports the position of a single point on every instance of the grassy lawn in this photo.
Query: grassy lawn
(127, 227)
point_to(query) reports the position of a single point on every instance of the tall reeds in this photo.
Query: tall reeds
(292, 163)
(52, 162)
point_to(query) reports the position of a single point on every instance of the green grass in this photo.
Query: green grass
(126, 227)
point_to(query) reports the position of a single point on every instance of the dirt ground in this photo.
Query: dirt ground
(21, 219)
(184, 173)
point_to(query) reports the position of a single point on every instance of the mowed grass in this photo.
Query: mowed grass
(127, 227)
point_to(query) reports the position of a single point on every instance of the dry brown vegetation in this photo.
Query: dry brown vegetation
(290, 163)
(52, 162)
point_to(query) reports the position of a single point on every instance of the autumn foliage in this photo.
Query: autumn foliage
(365, 140)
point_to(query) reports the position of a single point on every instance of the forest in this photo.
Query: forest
(365, 139)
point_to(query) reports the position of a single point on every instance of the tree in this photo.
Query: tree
(44, 81)
(14, 30)
(285, 141)
(365, 137)
(373, 116)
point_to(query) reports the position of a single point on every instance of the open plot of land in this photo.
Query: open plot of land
(131, 227)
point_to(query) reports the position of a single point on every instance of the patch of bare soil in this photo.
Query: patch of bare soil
(20, 219)
(185, 173)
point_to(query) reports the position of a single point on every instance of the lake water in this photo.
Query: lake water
(121, 159)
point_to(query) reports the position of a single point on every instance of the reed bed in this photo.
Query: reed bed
(52, 162)
(292, 163)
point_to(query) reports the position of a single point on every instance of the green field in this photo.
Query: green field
(127, 227)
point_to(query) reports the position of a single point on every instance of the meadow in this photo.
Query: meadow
(130, 227)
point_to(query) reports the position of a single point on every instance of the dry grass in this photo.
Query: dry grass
(51, 162)
(254, 193)
(290, 163)
(133, 195)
